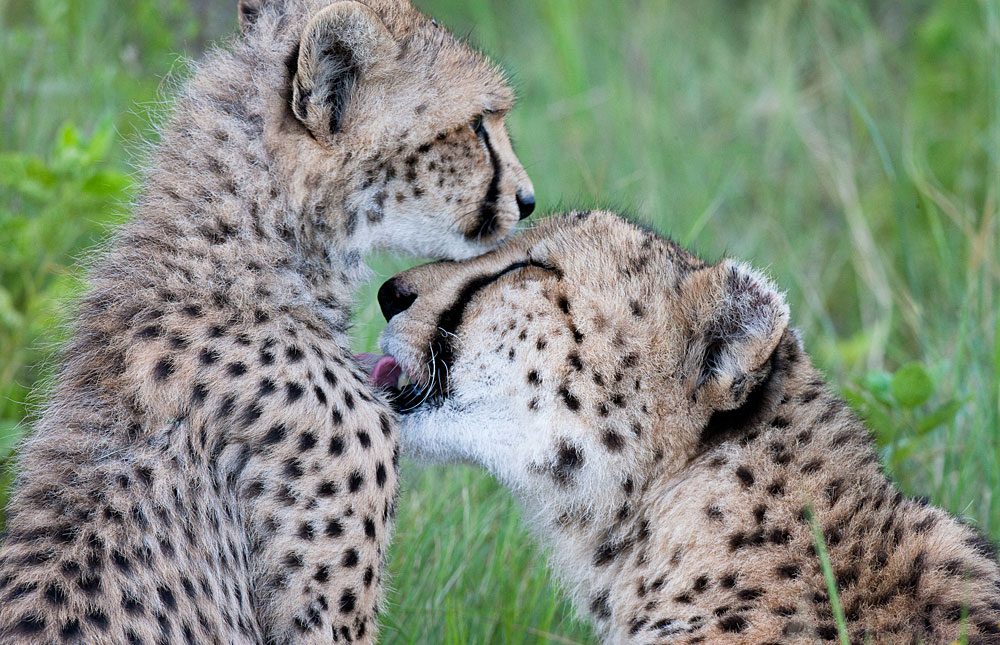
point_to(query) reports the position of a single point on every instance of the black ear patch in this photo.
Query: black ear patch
(340, 73)
(343, 72)
(344, 46)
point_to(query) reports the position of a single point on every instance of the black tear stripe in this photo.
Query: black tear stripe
(451, 318)
(486, 222)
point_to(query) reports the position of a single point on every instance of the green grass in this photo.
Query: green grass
(852, 149)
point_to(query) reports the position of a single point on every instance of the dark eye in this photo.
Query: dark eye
(477, 125)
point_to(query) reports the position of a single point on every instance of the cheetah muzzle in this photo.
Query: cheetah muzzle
(672, 444)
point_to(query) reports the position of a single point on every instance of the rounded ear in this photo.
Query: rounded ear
(342, 45)
(737, 320)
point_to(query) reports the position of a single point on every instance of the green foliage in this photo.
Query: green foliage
(897, 408)
(852, 148)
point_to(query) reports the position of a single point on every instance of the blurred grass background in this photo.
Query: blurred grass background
(851, 148)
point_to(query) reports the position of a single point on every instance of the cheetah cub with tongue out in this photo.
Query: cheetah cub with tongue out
(214, 467)
(670, 441)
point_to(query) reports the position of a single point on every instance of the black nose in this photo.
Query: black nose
(394, 298)
(525, 203)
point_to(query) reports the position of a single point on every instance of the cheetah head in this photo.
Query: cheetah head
(389, 126)
(579, 356)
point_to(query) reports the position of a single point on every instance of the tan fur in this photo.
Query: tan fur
(669, 440)
(213, 467)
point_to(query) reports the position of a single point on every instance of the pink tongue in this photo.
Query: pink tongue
(385, 370)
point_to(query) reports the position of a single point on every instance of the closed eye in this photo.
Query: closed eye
(477, 125)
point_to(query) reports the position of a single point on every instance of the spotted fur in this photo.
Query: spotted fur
(213, 467)
(671, 443)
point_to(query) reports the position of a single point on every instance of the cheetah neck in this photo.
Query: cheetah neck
(218, 194)
(597, 550)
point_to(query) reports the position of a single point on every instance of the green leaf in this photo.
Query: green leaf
(912, 385)
(878, 383)
(106, 182)
(941, 415)
(880, 422)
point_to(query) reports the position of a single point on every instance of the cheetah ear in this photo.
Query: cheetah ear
(738, 318)
(342, 45)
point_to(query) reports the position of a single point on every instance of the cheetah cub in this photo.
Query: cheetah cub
(670, 441)
(213, 466)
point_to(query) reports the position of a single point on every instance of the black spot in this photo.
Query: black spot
(369, 576)
(131, 604)
(746, 477)
(98, 618)
(386, 425)
(350, 558)
(336, 445)
(610, 549)
(612, 440)
(733, 624)
(334, 528)
(812, 466)
(293, 353)
(355, 481)
(70, 630)
(364, 439)
(571, 401)
(347, 600)
(809, 396)
(826, 632)
(153, 331)
(266, 388)
(599, 605)
(163, 369)
(236, 369)
(31, 624)
(369, 528)
(227, 405)
(167, 597)
(198, 394)
(89, 584)
(293, 468)
(788, 571)
(275, 434)
(293, 392)
(307, 441)
(380, 474)
(568, 459)
(779, 537)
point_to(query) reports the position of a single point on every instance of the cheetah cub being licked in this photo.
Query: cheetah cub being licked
(669, 439)
(213, 467)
